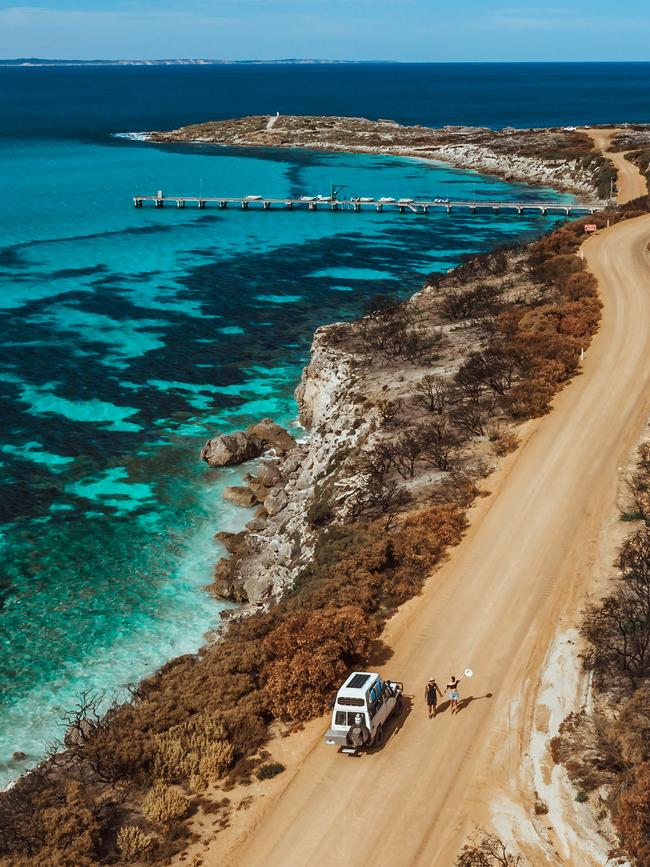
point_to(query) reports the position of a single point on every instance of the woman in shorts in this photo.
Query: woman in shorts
(431, 692)
(452, 688)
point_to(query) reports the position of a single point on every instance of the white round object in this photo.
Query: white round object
(468, 672)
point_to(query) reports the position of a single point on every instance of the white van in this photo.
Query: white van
(360, 711)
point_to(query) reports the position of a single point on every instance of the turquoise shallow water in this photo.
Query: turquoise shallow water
(128, 337)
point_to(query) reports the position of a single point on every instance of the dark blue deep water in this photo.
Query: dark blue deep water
(127, 337)
(92, 102)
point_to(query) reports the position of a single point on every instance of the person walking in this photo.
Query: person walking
(431, 692)
(452, 688)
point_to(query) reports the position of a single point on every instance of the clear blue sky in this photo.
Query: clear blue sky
(419, 30)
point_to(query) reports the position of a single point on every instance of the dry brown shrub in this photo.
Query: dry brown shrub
(487, 850)
(580, 285)
(529, 399)
(71, 829)
(163, 806)
(639, 484)
(504, 440)
(309, 652)
(133, 843)
(632, 818)
(425, 535)
(631, 730)
(197, 748)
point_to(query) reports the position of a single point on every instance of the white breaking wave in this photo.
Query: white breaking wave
(132, 136)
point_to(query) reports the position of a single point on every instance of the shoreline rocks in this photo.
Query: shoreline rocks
(229, 450)
(280, 541)
(240, 496)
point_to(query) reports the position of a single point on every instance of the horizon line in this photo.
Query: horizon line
(202, 61)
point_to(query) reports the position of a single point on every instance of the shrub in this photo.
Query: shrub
(631, 729)
(163, 806)
(432, 394)
(618, 629)
(270, 770)
(487, 850)
(504, 440)
(308, 653)
(639, 484)
(133, 842)
(632, 818)
(198, 747)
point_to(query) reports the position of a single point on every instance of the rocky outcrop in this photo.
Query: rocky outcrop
(227, 450)
(271, 435)
(268, 473)
(280, 540)
(516, 167)
(232, 542)
(240, 496)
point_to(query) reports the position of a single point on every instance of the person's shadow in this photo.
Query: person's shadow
(465, 702)
(462, 704)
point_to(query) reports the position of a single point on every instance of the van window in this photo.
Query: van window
(340, 718)
(351, 702)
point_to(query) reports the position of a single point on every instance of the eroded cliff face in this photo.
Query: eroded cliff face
(280, 539)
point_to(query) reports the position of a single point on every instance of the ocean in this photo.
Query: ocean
(130, 336)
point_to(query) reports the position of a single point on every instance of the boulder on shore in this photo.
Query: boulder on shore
(232, 542)
(268, 473)
(225, 584)
(271, 435)
(227, 450)
(276, 500)
(240, 496)
(258, 488)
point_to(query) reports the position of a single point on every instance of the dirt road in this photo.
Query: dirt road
(494, 606)
(630, 183)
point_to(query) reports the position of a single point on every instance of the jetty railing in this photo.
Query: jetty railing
(416, 206)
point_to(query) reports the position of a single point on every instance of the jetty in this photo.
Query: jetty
(366, 203)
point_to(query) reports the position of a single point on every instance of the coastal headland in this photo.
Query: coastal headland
(563, 158)
(440, 419)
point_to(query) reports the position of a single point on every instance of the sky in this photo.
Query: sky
(407, 30)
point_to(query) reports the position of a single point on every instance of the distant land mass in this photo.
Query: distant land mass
(38, 61)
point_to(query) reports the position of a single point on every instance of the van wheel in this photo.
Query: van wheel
(379, 737)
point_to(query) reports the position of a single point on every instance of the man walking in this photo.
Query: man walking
(431, 692)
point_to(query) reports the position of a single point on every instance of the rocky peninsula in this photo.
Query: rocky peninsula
(562, 158)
